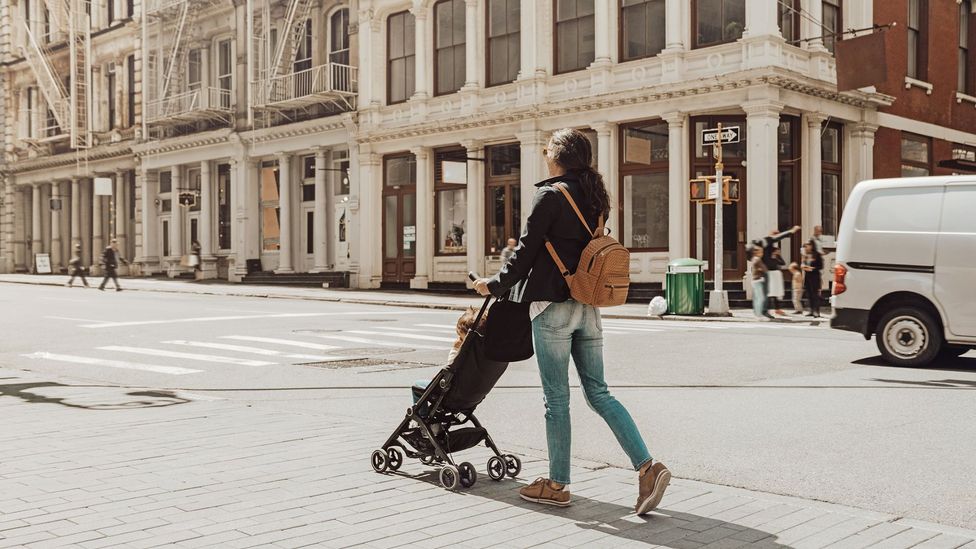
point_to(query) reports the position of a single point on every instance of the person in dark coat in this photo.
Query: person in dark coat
(198, 261)
(110, 262)
(812, 267)
(76, 268)
(769, 245)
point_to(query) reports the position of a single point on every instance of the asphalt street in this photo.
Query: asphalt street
(792, 409)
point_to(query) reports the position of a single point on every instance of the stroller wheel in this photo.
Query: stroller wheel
(394, 458)
(496, 468)
(379, 461)
(513, 465)
(449, 477)
(427, 460)
(468, 474)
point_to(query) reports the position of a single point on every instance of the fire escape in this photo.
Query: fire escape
(283, 83)
(172, 100)
(69, 101)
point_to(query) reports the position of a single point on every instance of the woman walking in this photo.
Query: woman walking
(812, 265)
(759, 273)
(563, 327)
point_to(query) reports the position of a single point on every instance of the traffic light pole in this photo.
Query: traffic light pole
(718, 299)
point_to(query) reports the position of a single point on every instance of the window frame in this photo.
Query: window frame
(488, 39)
(907, 136)
(439, 187)
(389, 60)
(836, 169)
(224, 211)
(625, 169)
(332, 35)
(555, 39)
(921, 45)
(436, 50)
(794, 13)
(694, 28)
(229, 75)
(967, 54)
(830, 42)
(512, 186)
(130, 64)
(112, 104)
(620, 35)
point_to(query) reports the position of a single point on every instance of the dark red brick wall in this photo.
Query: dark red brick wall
(940, 107)
(887, 154)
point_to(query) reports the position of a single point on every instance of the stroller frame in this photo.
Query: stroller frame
(430, 439)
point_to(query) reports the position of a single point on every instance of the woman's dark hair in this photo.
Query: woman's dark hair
(572, 151)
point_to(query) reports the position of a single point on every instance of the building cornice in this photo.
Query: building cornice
(184, 142)
(104, 152)
(346, 121)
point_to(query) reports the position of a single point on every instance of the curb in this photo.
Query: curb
(408, 304)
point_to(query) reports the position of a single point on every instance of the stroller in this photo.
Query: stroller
(437, 425)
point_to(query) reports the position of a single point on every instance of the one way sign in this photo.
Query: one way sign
(728, 135)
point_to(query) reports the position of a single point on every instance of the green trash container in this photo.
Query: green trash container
(685, 287)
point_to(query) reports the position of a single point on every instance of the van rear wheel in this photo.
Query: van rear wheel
(908, 336)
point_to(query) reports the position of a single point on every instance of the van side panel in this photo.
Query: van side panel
(955, 265)
(896, 227)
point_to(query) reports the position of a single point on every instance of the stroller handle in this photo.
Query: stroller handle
(473, 276)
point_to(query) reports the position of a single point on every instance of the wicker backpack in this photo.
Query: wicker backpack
(602, 277)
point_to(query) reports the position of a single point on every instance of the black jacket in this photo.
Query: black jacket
(531, 271)
(767, 244)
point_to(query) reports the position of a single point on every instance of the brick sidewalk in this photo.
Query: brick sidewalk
(95, 466)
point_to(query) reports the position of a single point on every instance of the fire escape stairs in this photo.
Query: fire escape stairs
(175, 70)
(295, 20)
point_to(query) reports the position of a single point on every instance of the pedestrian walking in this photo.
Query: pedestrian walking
(508, 251)
(796, 276)
(195, 259)
(768, 244)
(759, 280)
(775, 288)
(812, 266)
(817, 240)
(110, 262)
(563, 327)
(76, 268)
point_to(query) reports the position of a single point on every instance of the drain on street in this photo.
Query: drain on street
(369, 364)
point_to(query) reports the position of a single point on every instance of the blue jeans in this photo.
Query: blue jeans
(573, 329)
(759, 298)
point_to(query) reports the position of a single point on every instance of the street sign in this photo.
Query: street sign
(42, 263)
(705, 190)
(188, 199)
(103, 186)
(728, 135)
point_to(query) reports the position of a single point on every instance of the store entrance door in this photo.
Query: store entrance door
(399, 220)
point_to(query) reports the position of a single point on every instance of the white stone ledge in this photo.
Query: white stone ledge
(928, 87)
(960, 97)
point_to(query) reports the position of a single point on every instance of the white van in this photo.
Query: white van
(906, 267)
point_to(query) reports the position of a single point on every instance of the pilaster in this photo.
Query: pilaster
(762, 121)
(679, 244)
(424, 259)
(285, 207)
(475, 226)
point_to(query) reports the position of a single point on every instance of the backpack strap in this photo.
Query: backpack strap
(562, 188)
(559, 263)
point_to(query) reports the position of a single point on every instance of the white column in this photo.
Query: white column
(371, 74)
(150, 254)
(475, 219)
(862, 145)
(420, 13)
(814, 180)
(176, 219)
(674, 27)
(207, 212)
(98, 221)
(205, 81)
(528, 39)
(284, 203)
(122, 210)
(321, 204)
(367, 232)
(761, 18)
(762, 121)
(56, 229)
(602, 24)
(812, 25)
(239, 191)
(75, 214)
(679, 237)
(425, 218)
(36, 231)
(606, 163)
(533, 168)
(471, 42)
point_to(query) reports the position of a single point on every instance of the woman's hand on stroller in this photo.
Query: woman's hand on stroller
(481, 286)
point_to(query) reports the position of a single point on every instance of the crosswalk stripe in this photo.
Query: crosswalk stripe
(404, 336)
(246, 349)
(286, 342)
(630, 329)
(366, 341)
(186, 356)
(439, 326)
(172, 370)
(610, 332)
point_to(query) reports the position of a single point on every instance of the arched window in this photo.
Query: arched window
(339, 37)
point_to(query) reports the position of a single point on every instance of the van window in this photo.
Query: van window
(959, 212)
(901, 210)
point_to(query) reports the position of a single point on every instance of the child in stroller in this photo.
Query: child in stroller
(436, 425)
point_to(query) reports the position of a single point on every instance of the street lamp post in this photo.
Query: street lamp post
(718, 299)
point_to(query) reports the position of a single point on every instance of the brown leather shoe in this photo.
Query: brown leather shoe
(541, 491)
(653, 483)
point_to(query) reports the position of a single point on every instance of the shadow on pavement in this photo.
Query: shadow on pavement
(959, 364)
(945, 383)
(659, 528)
(150, 399)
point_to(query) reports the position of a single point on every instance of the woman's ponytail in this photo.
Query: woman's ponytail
(572, 150)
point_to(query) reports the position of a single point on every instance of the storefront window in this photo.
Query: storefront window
(732, 150)
(223, 206)
(719, 21)
(831, 186)
(916, 158)
(193, 178)
(308, 179)
(451, 204)
(788, 182)
(270, 211)
(644, 185)
(503, 199)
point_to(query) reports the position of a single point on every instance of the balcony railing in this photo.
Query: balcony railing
(44, 129)
(197, 105)
(328, 83)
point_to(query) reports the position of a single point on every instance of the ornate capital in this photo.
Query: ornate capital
(420, 152)
(674, 118)
(763, 108)
(603, 128)
(816, 119)
(864, 130)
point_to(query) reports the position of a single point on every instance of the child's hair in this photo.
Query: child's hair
(466, 322)
(794, 267)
